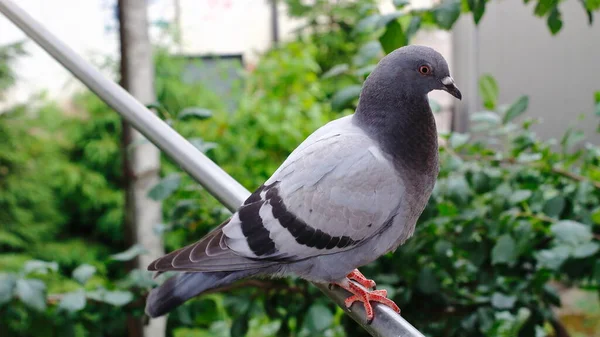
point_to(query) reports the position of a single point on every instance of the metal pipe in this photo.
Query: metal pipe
(226, 189)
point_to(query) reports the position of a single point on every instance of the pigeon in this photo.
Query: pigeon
(349, 193)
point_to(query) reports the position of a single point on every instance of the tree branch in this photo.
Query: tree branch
(559, 328)
(511, 160)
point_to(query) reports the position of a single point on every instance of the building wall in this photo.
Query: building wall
(560, 73)
(81, 27)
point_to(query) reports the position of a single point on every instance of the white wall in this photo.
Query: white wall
(560, 73)
(87, 26)
(81, 27)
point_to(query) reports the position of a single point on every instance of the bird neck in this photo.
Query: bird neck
(404, 127)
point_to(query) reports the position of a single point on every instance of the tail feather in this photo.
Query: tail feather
(180, 288)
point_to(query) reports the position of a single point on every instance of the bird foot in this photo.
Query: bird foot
(357, 276)
(359, 294)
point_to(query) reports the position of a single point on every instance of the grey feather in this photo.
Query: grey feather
(180, 288)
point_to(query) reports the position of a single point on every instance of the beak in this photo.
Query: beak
(450, 87)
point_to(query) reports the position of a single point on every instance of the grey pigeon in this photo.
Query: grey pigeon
(351, 192)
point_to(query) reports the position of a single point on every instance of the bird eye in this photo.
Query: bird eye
(425, 70)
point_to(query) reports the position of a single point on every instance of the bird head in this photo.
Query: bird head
(415, 70)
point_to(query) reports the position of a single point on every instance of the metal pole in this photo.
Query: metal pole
(227, 190)
(274, 22)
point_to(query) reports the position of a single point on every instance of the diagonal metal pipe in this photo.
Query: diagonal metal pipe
(221, 185)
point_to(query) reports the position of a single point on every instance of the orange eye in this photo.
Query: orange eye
(424, 70)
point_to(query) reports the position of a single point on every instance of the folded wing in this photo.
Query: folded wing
(334, 192)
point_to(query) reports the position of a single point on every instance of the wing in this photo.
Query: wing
(330, 195)
(209, 254)
(334, 192)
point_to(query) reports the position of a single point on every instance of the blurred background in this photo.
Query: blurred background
(509, 244)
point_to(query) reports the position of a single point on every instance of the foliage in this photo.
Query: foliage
(511, 214)
(8, 54)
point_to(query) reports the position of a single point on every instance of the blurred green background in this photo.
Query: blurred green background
(509, 244)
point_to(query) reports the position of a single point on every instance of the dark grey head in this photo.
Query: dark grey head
(412, 71)
(393, 107)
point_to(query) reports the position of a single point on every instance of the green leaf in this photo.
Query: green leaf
(386, 19)
(165, 187)
(365, 71)
(585, 250)
(435, 106)
(32, 293)
(504, 250)
(488, 89)
(552, 294)
(596, 215)
(388, 278)
(477, 7)
(516, 109)
(7, 287)
(543, 7)
(553, 258)
(41, 267)
(555, 206)
(525, 157)
(443, 248)
(447, 209)
(12, 240)
(520, 196)
(592, 5)
(427, 282)
(200, 332)
(459, 139)
(155, 106)
(501, 301)
(202, 145)
(488, 117)
(318, 318)
(73, 301)
(572, 138)
(458, 188)
(336, 70)
(130, 253)
(194, 112)
(368, 52)
(343, 97)
(116, 298)
(413, 27)
(240, 326)
(447, 13)
(554, 21)
(393, 38)
(368, 24)
(139, 278)
(83, 273)
(571, 232)
(402, 3)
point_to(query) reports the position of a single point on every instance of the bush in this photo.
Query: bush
(511, 215)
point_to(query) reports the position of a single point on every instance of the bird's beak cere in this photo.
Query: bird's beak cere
(450, 87)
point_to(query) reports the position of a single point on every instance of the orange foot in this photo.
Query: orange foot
(365, 296)
(357, 276)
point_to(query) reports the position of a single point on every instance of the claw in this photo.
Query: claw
(357, 276)
(360, 294)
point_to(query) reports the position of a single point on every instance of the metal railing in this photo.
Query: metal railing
(226, 189)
